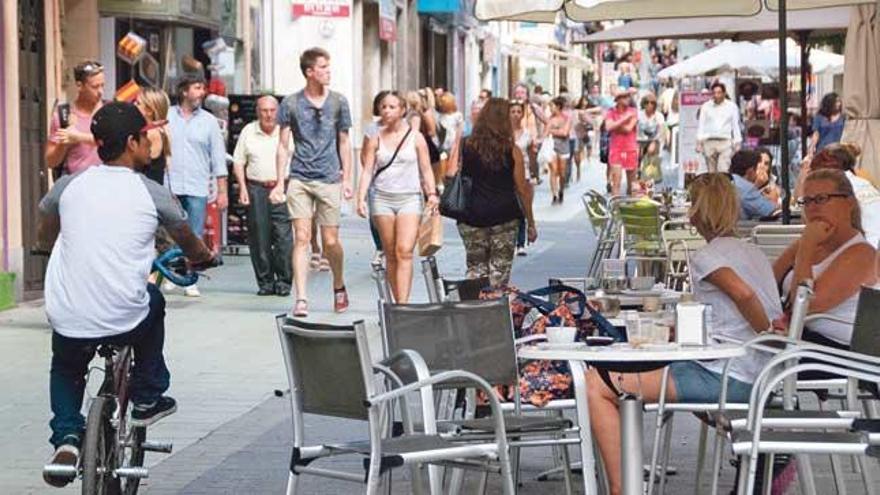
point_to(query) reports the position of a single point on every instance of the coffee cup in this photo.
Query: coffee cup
(561, 335)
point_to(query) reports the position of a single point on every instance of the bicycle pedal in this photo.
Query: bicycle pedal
(61, 470)
(132, 472)
(162, 447)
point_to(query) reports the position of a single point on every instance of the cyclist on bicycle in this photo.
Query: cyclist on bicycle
(105, 220)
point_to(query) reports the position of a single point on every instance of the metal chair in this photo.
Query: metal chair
(476, 336)
(865, 347)
(331, 373)
(679, 239)
(773, 239)
(605, 226)
(441, 289)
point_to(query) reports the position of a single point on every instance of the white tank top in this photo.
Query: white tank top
(402, 177)
(836, 331)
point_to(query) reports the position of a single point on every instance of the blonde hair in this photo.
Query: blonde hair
(843, 186)
(446, 103)
(156, 102)
(714, 204)
(414, 101)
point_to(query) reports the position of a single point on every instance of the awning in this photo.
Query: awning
(547, 55)
(762, 26)
(603, 10)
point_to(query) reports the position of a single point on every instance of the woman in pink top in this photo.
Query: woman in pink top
(623, 149)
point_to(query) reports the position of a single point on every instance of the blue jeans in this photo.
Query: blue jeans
(521, 234)
(70, 361)
(195, 207)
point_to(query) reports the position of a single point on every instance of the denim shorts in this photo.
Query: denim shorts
(383, 203)
(694, 383)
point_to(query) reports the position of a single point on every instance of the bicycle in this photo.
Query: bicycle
(113, 451)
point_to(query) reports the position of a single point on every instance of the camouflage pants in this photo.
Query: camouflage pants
(489, 251)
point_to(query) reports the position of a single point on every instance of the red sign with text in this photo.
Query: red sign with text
(321, 8)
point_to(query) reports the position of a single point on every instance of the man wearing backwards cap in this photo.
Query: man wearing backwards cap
(96, 290)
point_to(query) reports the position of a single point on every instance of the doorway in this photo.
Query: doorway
(32, 127)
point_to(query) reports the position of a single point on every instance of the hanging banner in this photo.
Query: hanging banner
(689, 110)
(321, 8)
(387, 20)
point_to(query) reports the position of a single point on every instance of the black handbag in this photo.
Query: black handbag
(454, 201)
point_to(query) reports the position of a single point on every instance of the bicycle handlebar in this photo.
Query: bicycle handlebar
(173, 266)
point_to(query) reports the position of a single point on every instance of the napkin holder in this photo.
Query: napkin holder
(691, 325)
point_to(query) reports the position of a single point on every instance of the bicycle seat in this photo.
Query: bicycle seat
(109, 350)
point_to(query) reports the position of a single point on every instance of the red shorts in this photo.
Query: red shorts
(626, 159)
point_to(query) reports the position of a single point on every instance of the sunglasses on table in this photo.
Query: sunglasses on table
(819, 199)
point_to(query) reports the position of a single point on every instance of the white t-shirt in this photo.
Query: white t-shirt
(750, 264)
(869, 202)
(96, 281)
(523, 142)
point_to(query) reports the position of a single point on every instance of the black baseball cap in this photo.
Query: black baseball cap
(115, 122)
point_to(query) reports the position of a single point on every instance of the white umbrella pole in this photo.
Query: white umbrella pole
(783, 121)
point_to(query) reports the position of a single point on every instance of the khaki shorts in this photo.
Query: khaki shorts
(308, 199)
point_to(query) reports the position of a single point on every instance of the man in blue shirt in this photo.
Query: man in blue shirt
(752, 204)
(197, 154)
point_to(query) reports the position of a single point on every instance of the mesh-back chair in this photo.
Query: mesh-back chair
(773, 239)
(441, 289)
(640, 240)
(331, 373)
(475, 336)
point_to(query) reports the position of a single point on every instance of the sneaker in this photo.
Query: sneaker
(147, 414)
(521, 251)
(282, 290)
(192, 291)
(266, 291)
(378, 258)
(167, 286)
(67, 454)
(340, 300)
(300, 309)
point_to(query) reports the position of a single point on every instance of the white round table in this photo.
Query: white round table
(617, 356)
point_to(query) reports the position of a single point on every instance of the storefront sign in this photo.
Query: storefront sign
(321, 8)
(387, 20)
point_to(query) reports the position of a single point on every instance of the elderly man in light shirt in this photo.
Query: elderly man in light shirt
(718, 132)
(256, 172)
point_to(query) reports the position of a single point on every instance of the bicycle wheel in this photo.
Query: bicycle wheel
(137, 435)
(99, 450)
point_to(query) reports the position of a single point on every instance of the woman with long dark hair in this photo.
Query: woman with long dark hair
(500, 194)
(828, 123)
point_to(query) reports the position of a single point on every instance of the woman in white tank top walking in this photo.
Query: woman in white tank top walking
(398, 168)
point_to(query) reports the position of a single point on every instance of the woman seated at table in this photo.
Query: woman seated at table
(832, 252)
(736, 279)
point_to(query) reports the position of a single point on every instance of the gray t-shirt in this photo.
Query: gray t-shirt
(750, 264)
(315, 132)
(96, 281)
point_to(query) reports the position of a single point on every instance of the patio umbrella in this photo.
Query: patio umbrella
(861, 85)
(740, 56)
(600, 10)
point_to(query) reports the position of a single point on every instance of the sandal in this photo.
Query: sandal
(324, 265)
(300, 308)
(315, 262)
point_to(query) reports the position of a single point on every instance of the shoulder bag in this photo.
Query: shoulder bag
(454, 201)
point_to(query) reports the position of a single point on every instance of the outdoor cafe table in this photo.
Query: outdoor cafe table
(623, 358)
(629, 299)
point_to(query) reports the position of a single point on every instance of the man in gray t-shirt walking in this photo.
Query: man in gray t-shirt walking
(319, 170)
